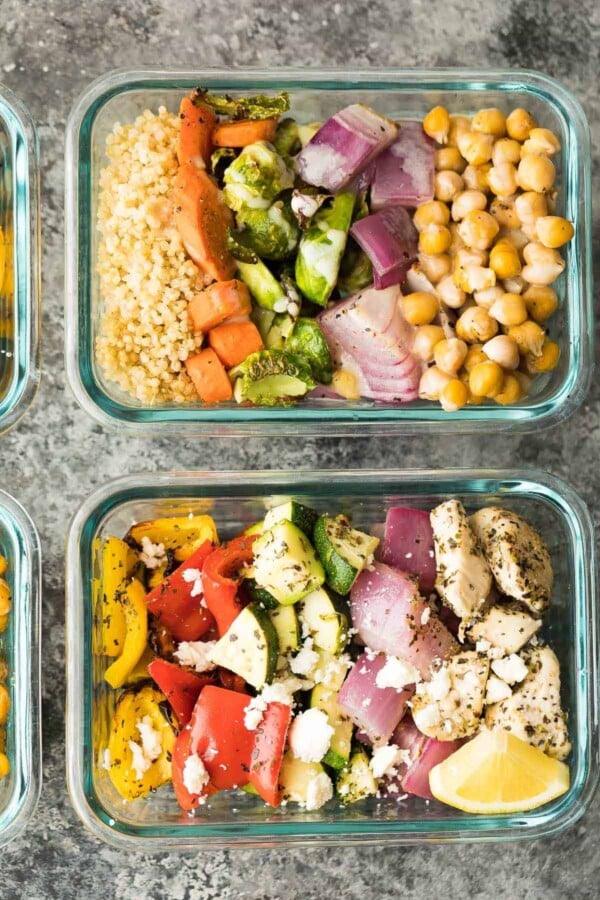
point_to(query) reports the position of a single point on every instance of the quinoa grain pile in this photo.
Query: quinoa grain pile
(146, 278)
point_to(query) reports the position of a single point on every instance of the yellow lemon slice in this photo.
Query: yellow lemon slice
(496, 773)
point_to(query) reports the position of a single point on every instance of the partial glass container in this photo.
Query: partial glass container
(20, 651)
(237, 499)
(400, 93)
(19, 260)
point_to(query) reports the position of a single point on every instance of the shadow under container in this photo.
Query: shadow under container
(236, 500)
(314, 95)
(19, 260)
(20, 650)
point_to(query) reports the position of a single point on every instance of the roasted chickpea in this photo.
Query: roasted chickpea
(519, 123)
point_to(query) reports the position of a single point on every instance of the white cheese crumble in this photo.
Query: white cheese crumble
(385, 760)
(282, 691)
(333, 672)
(254, 712)
(195, 776)
(152, 555)
(105, 760)
(319, 791)
(305, 660)
(427, 717)
(194, 577)
(440, 684)
(397, 673)
(425, 615)
(310, 735)
(510, 668)
(148, 750)
(497, 690)
(196, 654)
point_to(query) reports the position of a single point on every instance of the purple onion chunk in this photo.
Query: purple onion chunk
(408, 544)
(390, 240)
(404, 173)
(376, 711)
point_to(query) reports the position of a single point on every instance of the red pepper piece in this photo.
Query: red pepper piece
(220, 578)
(181, 753)
(231, 681)
(180, 687)
(267, 755)
(220, 738)
(172, 603)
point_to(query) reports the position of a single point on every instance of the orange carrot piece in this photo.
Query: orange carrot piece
(219, 301)
(209, 377)
(244, 132)
(196, 125)
(234, 341)
(202, 220)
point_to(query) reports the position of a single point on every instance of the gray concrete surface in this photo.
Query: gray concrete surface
(48, 53)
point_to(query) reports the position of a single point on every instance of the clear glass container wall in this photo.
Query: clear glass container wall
(19, 260)
(237, 500)
(119, 97)
(19, 648)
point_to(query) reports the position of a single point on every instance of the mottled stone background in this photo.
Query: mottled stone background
(49, 51)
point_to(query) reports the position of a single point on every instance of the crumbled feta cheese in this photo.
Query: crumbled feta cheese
(310, 735)
(194, 576)
(408, 556)
(282, 691)
(440, 684)
(334, 672)
(139, 763)
(483, 646)
(366, 702)
(152, 555)
(425, 615)
(397, 673)
(427, 717)
(196, 654)
(254, 712)
(149, 748)
(306, 660)
(386, 759)
(195, 776)
(105, 760)
(319, 791)
(497, 690)
(510, 668)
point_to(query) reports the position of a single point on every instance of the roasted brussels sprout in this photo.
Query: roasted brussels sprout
(272, 233)
(322, 247)
(308, 342)
(271, 377)
(256, 177)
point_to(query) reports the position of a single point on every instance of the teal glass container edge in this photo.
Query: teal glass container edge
(21, 547)
(514, 485)
(23, 151)
(353, 418)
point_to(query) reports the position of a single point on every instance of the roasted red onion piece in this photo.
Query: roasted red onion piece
(375, 710)
(408, 544)
(404, 172)
(389, 239)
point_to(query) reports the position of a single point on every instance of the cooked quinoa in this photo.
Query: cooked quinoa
(146, 278)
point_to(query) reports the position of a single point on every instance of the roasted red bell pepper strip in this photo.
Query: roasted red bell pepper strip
(220, 578)
(231, 681)
(172, 602)
(180, 687)
(220, 738)
(267, 754)
(181, 753)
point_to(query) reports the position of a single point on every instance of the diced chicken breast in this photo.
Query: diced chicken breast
(505, 626)
(450, 705)
(464, 578)
(533, 712)
(517, 556)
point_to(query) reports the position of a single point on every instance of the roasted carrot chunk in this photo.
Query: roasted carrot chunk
(209, 377)
(243, 132)
(202, 220)
(217, 302)
(234, 341)
(196, 124)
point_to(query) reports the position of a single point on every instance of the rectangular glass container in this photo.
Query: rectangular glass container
(19, 260)
(404, 93)
(237, 499)
(19, 648)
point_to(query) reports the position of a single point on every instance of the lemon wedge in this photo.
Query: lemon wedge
(496, 773)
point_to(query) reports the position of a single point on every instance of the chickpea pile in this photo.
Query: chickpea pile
(489, 243)
(5, 607)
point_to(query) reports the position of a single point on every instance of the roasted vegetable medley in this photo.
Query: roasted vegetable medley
(311, 659)
(359, 257)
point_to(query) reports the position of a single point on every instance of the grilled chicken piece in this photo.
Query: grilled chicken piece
(506, 626)
(464, 578)
(533, 712)
(517, 556)
(450, 705)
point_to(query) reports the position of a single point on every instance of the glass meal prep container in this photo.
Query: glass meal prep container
(19, 260)
(314, 95)
(235, 500)
(20, 650)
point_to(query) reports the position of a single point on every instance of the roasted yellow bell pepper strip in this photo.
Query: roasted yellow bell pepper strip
(180, 534)
(136, 634)
(140, 670)
(117, 561)
(137, 770)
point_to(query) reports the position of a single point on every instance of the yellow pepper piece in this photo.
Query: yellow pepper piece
(133, 707)
(180, 534)
(140, 671)
(117, 562)
(136, 634)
